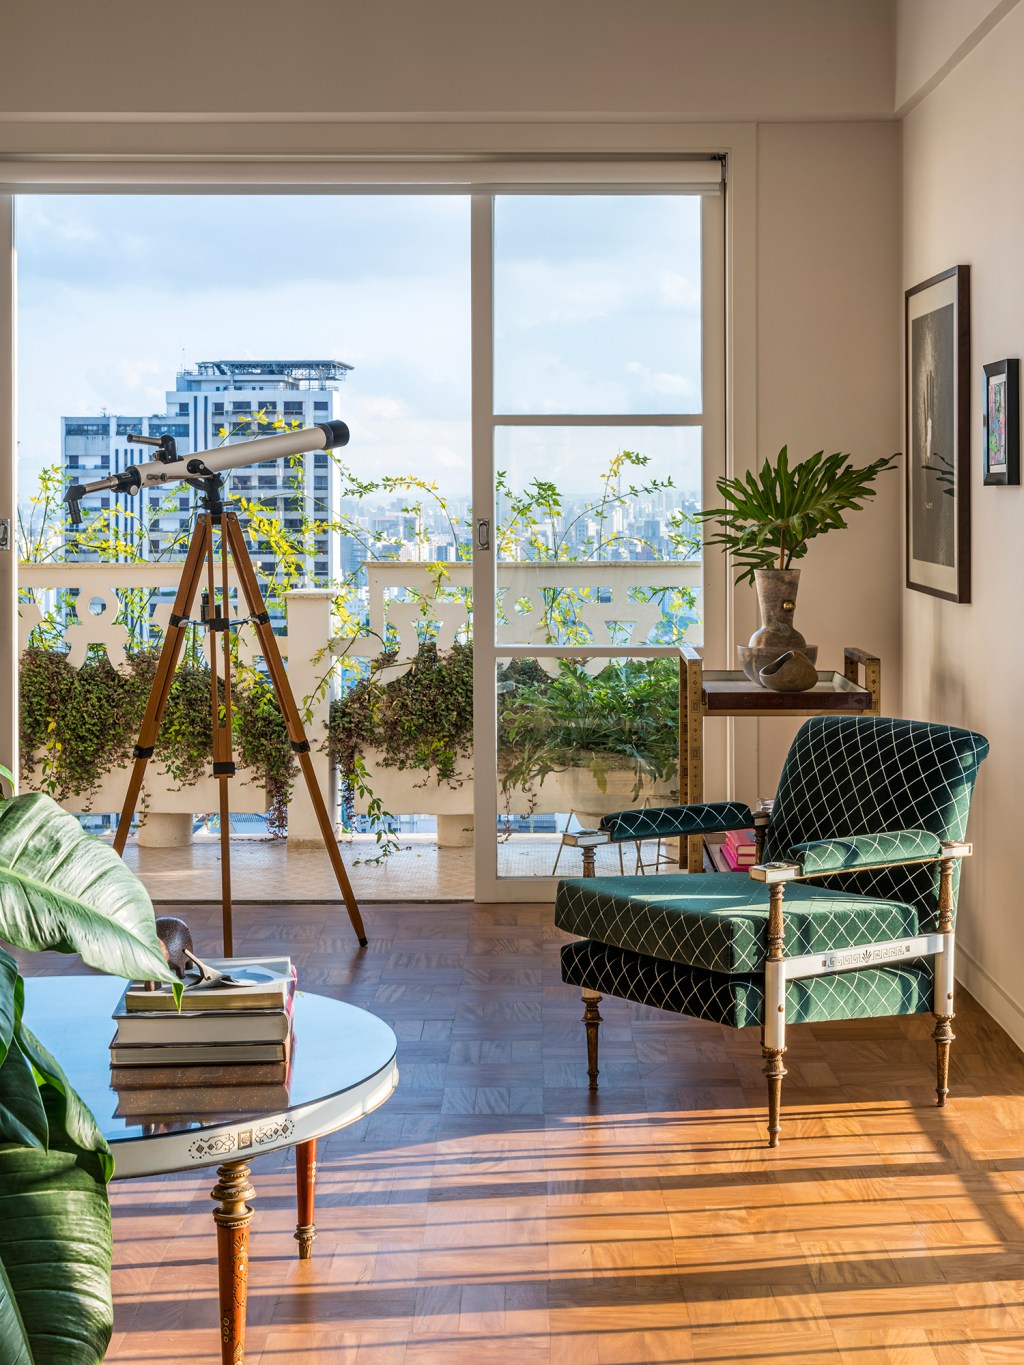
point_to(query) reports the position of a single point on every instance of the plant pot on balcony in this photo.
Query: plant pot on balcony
(589, 795)
(413, 791)
(164, 798)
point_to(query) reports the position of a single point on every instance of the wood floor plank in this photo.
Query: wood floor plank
(496, 1210)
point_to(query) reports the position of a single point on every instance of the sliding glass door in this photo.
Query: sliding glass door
(597, 425)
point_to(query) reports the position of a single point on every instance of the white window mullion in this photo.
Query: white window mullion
(485, 715)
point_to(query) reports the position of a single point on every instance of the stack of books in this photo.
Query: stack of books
(228, 1051)
(738, 849)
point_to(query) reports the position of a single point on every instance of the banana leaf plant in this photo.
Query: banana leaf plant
(60, 889)
(772, 514)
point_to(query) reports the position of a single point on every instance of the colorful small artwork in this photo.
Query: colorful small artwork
(997, 424)
(1002, 423)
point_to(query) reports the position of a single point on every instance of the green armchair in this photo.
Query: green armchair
(849, 913)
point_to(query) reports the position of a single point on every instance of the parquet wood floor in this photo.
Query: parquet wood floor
(494, 1211)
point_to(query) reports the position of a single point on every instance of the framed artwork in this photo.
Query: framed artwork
(1001, 457)
(938, 449)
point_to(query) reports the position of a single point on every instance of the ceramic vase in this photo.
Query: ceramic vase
(776, 598)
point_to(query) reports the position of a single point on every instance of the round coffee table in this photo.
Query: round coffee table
(343, 1066)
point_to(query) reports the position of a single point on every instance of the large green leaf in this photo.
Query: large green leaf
(67, 1113)
(22, 1116)
(11, 995)
(61, 888)
(55, 1257)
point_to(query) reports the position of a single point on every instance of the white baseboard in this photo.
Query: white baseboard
(1005, 1009)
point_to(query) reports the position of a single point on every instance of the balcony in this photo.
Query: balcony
(405, 604)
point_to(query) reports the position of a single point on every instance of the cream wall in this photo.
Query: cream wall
(932, 36)
(828, 313)
(803, 89)
(704, 59)
(963, 202)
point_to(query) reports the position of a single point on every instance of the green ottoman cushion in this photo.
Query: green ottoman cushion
(719, 920)
(870, 993)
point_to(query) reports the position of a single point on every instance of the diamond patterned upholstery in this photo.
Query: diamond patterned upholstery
(721, 924)
(665, 822)
(860, 793)
(738, 1001)
(865, 850)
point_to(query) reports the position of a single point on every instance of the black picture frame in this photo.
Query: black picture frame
(1000, 454)
(937, 338)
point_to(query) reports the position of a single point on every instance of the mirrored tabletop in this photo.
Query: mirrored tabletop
(343, 1065)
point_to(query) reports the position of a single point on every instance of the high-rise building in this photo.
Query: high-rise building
(219, 402)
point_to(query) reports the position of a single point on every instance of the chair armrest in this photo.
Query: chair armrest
(669, 822)
(860, 853)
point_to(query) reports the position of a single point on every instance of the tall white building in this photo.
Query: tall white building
(214, 397)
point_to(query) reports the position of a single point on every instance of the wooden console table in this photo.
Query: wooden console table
(731, 693)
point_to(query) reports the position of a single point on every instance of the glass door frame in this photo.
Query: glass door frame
(489, 887)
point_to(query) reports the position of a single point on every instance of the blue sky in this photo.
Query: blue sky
(596, 309)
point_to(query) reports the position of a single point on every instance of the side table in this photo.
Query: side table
(343, 1067)
(729, 692)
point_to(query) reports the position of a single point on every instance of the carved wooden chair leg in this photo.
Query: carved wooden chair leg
(775, 1071)
(592, 1021)
(942, 1001)
(943, 1036)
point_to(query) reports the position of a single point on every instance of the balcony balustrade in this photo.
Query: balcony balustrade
(406, 603)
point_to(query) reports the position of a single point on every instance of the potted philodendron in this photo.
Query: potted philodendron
(769, 519)
(59, 889)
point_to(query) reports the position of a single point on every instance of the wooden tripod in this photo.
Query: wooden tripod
(200, 557)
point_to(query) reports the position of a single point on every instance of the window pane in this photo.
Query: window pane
(578, 739)
(595, 538)
(597, 304)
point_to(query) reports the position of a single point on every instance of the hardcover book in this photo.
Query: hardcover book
(213, 1099)
(202, 1026)
(272, 981)
(196, 1073)
(194, 1054)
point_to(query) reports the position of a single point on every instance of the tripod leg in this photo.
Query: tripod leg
(223, 766)
(199, 547)
(300, 744)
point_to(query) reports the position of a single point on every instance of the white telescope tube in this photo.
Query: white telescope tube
(204, 464)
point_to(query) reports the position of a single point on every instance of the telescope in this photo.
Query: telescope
(168, 467)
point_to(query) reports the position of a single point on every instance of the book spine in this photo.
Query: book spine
(740, 838)
(199, 1074)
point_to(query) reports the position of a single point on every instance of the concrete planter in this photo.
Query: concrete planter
(410, 791)
(247, 797)
(577, 790)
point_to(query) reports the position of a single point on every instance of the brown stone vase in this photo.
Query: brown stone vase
(776, 598)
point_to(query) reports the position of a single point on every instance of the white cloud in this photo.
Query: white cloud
(662, 381)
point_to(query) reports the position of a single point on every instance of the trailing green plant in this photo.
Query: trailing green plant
(771, 515)
(625, 718)
(421, 719)
(81, 721)
(77, 724)
(263, 743)
(60, 889)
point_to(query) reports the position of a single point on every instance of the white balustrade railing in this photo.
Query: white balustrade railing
(602, 601)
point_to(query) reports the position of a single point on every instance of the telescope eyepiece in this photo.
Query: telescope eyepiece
(73, 496)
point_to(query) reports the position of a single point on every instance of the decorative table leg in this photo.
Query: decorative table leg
(305, 1192)
(232, 1218)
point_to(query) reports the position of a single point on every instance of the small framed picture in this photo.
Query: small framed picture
(1001, 459)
